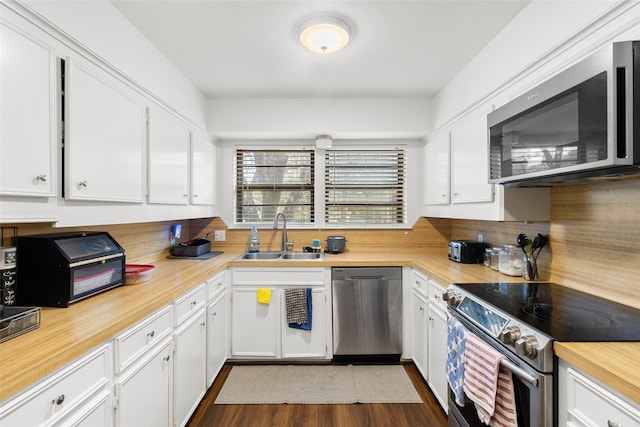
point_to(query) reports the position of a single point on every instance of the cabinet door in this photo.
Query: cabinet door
(190, 367)
(203, 171)
(254, 325)
(437, 356)
(104, 137)
(302, 343)
(28, 114)
(420, 333)
(216, 336)
(168, 159)
(469, 162)
(144, 392)
(437, 156)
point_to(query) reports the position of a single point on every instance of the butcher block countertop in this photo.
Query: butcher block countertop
(66, 334)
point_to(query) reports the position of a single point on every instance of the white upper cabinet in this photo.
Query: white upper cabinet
(168, 159)
(28, 114)
(437, 155)
(469, 174)
(457, 178)
(104, 137)
(203, 170)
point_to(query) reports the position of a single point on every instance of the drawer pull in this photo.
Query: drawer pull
(215, 313)
(166, 359)
(151, 334)
(58, 400)
(614, 423)
(42, 177)
(193, 303)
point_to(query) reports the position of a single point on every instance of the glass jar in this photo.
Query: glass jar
(487, 257)
(495, 254)
(510, 261)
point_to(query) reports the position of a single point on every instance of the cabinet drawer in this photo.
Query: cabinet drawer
(284, 276)
(591, 404)
(435, 294)
(420, 283)
(189, 303)
(216, 285)
(60, 393)
(135, 340)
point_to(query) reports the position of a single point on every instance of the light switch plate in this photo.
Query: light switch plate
(219, 235)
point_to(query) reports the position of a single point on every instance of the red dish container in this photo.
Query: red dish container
(137, 273)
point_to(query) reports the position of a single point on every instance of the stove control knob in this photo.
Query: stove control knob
(452, 298)
(510, 335)
(527, 346)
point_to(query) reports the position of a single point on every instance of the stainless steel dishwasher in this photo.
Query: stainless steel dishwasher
(367, 311)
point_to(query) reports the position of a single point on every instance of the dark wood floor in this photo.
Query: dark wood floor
(429, 413)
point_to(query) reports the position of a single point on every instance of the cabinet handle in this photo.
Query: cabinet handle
(214, 313)
(195, 195)
(58, 400)
(151, 334)
(614, 423)
(185, 195)
(42, 177)
(203, 323)
(166, 359)
(83, 184)
(193, 304)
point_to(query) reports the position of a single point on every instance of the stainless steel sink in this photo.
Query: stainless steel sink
(281, 256)
(302, 255)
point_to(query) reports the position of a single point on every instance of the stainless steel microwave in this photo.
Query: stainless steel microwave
(578, 125)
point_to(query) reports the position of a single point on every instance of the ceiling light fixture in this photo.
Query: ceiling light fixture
(324, 35)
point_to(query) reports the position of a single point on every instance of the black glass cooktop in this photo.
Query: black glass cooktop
(562, 313)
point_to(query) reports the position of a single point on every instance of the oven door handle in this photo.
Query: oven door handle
(519, 372)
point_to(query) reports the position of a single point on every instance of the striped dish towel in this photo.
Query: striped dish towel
(488, 385)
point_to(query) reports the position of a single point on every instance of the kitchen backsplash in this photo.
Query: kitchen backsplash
(594, 238)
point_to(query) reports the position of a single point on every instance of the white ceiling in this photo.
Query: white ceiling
(249, 49)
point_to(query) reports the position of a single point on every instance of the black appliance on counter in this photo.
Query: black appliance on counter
(55, 270)
(466, 251)
(521, 321)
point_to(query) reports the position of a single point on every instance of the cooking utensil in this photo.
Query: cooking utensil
(542, 242)
(522, 242)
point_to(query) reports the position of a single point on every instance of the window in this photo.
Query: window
(272, 181)
(365, 187)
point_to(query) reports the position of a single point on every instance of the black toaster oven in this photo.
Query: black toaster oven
(55, 270)
(466, 251)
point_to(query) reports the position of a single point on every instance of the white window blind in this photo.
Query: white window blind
(272, 181)
(365, 187)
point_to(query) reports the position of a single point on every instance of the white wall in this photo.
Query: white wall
(100, 27)
(306, 118)
(544, 38)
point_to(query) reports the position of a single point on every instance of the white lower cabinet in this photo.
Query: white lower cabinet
(437, 344)
(72, 396)
(144, 372)
(584, 401)
(430, 335)
(260, 330)
(144, 390)
(420, 332)
(217, 337)
(190, 365)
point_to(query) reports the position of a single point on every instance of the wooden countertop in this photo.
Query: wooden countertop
(66, 334)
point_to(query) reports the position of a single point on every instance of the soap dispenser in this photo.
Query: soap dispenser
(254, 242)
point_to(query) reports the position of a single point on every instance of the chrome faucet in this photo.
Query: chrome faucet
(286, 245)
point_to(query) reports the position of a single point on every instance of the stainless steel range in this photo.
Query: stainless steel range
(521, 321)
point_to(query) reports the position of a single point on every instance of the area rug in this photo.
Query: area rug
(317, 384)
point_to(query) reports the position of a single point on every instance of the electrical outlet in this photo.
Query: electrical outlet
(480, 237)
(219, 235)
